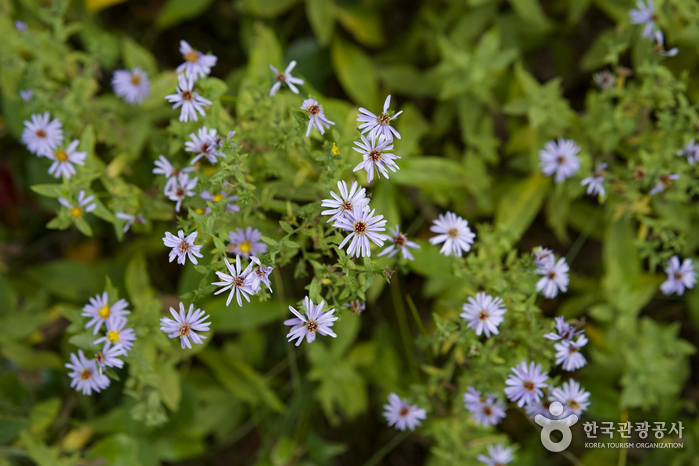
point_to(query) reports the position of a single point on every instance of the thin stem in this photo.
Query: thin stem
(580, 240)
(393, 443)
(418, 321)
(290, 350)
(403, 326)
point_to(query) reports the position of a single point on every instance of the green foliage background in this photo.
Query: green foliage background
(483, 85)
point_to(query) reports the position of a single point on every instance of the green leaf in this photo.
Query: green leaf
(49, 190)
(365, 24)
(43, 414)
(356, 72)
(437, 173)
(177, 11)
(321, 15)
(136, 56)
(137, 282)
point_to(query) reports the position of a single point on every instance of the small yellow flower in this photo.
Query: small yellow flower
(336, 150)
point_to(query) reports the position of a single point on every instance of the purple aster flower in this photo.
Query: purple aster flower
(130, 220)
(356, 306)
(400, 243)
(347, 201)
(182, 189)
(196, 64)
(231, 207)
(484, 314)
(473, 399)
(118, 335)
(678, 277)
(86, 377)
(560, 158)
(525, 383)
(604, 79)
(489, 412)
(378, 125)
(312, 322)
(663, 184)
(595, 184)
(691, 150)
(260, 275)
(543, 259)
(644, 15)
(555, 277)
(109, 356)
(572, 396)
(659, 47)
(499, 456)
(364, 227)
(83, 206)
(190, 101)
(246, 243)
(316, 116)
(204, 145)
(454, 232)
(182, 247)
(185, 327)
(99, 311)
(568, 353)
(26, 95)
(41, 136)
(565, 331)
(375, 157)
(400, 414)
(240, 283)
(285, 78)
(132, 86)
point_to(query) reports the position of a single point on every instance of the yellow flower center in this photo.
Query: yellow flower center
(104, 312)
(192, 57)
(336, 150)
(217, 198)
(113, 336)
(246, 246)
(135, 79)
(76, 211)
(86, 374)
(61, 156)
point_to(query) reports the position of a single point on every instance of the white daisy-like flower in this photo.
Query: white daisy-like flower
(99, 311)
(260, 275)
(312, 322)
(204, 145)
(42, 136)
(83, 206)
(364, 227)
(375, 158)
(196, 64)
(499, 456)
(190, 101)
(679, 277)
(659, 47)
(560, 158)
(454, 232)
(568, 353)
(26, 95)
(400, 243)
(165, 168)
(185, 327)
(182, 190)
(604, 79)
(231, 207)
(182, 246)
(525, 383)
(109, 356)
(644, 15)
(691, 150)
(595, 184)
(571, 395)
(378, 125)
(132, 86)
(63, 160)
(663, 184)
(490, 412)
(240, 283)
(246, 242)
(285, 77)
(85, 376)
(400, 414)
(356, 306)
(563, 331)
(316, 116)
(484, 314)
(21, 26)
(543, 258)
(555, 278)
(130, 220)
(347, 201)
(118, 335)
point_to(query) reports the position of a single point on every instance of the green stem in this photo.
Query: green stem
(418, 321)
(290, 350)
(378, 456)
(580, 240)
(403, 326)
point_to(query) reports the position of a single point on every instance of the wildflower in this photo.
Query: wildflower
(312, 322)
(490, 412)
(595, 184)
(84, 205)
(543, 258)
(568, 353)
(484, 314)
(231, 207)
(185, 327)
(348, 201)
(190, 101)
(659, 47)
(454, 232)
(375, 159)
(229, 138)
(196, 64)
(21, 26)
(572, 396)
(316, 116)
(285, 77)
(499, 456)
(86, 377)
(109, 356)
(402, 415)
(182, 189)
(400, 243)
(182, 246)
(664, 183)
(204, 145)
(132, 86)
(335, 150)
(118, 335)
(364, 227)
(246, 243)
(473, 399)
(26, 95)
(560, 158)
(130, 220)
(259, 275)
(542, 407)
(378, 125)
(63, 160)
(356, 306)
(678, 277)
(604, 79)
(565, 331)
(644, 15)
(691, 150)
(525, 383)
(555, 278)
(41, 136)
(164, 167)
(99, 311)
(238, 282)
